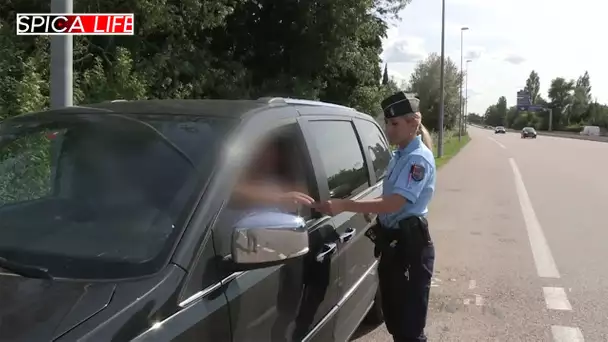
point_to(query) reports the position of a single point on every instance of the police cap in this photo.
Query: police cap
(400, 104)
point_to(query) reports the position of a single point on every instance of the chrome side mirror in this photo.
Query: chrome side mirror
(268, 238)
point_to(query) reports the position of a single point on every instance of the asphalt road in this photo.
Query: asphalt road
(521, 231)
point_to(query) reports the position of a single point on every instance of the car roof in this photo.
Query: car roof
(207, 107)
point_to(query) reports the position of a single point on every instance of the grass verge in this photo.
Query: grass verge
(451, 147)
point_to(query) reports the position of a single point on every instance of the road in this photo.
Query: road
(521, 231)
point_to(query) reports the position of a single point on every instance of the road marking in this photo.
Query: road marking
(435, 282)
(499, 144)
(545, 264)
(478, 300)
(472, 284)
(566, 334)
(556, 298)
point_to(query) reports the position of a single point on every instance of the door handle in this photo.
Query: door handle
(328, 249)
(350, 232)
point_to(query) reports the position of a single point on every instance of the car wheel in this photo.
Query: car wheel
(375, 316)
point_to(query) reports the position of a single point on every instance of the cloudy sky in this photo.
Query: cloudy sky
(506, 40)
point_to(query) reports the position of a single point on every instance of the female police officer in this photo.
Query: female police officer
(402, 236)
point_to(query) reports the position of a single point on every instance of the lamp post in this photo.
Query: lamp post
(466, 97)
(461, 117)
(62, 94)
(441, 83)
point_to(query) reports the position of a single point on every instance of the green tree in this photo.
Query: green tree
(425, 81)
(561, 95)
(385, 75)
(533, 86)
(474, 118)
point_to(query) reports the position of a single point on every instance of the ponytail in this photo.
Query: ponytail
(426, 136)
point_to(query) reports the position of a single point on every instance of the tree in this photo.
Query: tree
(385, 75)
(327, 50)
(560, 94)
(496, 114)
(475, 118)
(425, 81)
(581, 98)
(533, 86)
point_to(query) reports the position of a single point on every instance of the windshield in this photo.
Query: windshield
(528, 129)
(101, 196)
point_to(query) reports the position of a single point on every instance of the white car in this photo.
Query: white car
(500, 129)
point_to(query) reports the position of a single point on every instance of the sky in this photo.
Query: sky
(506, 40)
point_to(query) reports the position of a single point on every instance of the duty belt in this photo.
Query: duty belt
(412, 236)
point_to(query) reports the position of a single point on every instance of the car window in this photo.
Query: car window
(278, 166)
(100, 196)
(341, 157)
(373, 140)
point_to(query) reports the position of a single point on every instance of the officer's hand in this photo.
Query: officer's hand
(331, 207)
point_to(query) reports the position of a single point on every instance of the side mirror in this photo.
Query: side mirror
(267, 239)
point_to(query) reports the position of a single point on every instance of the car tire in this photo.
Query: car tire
(375, 316)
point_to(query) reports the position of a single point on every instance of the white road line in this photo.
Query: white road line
(472, 284)
(478, 300)
(545, 265)
(499, 144)
(556, 299)
(566, 334)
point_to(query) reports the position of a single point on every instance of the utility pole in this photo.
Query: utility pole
(466, 97)
(62, 54)
(461, 114)
(442, 83)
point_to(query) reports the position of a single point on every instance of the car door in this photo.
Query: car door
(293, 301)
(347, 175)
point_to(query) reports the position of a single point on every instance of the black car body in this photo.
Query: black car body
(528, 132)
(500, 130)
(120, 226)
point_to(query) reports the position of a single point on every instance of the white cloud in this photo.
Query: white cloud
(474, 53)
(515, 59)
(405, 50)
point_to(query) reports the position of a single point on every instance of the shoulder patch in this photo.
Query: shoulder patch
(417, 172)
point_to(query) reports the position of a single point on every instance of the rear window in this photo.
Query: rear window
(101, 196)
(374, 141)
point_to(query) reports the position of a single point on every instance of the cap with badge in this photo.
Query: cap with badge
(400, 104)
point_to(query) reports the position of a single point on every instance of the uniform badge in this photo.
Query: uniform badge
(417, 172)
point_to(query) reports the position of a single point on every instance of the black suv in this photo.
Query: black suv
(117, 223)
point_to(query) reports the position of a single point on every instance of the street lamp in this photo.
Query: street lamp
(441, 83)
(461, 81)
(466, 96)
(62, 66)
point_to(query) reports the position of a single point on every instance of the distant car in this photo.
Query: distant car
(528, 132)
(500, 129)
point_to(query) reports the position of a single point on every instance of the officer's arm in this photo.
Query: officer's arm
(413, 178)
(381, 205)
(407, 188)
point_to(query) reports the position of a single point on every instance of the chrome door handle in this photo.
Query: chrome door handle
(328, 249)
(350, 232)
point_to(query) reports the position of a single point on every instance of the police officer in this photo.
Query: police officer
(402, 236)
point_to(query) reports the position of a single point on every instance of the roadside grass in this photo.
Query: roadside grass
(451, 147)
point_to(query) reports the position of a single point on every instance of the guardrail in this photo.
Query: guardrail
(569, 135)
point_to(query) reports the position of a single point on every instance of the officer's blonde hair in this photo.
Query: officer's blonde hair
(427, 139)
(426, 136)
